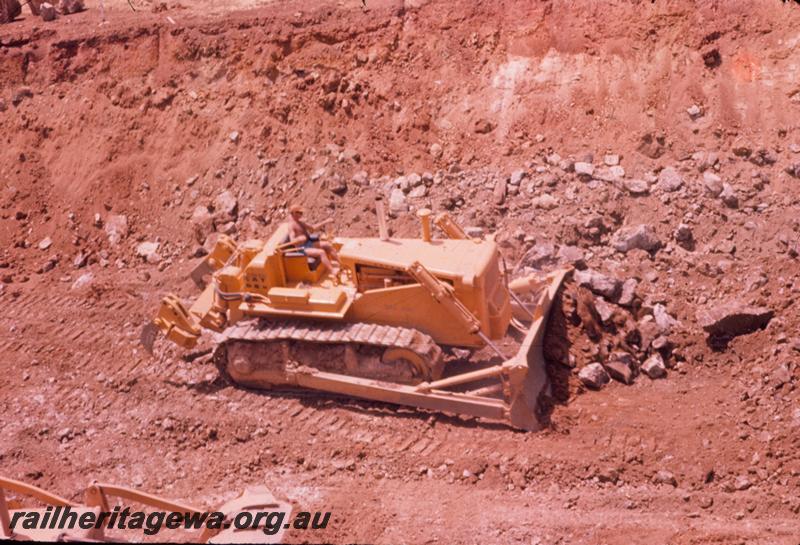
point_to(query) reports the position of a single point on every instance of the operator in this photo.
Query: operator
(301, 234)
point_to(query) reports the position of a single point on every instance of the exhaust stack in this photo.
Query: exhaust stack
(424, 216)
(383, 230)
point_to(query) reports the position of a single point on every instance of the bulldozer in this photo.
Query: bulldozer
(384, 327)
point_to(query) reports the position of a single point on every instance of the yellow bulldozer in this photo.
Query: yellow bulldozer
(381, 326)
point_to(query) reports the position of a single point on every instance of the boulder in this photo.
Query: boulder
(67, 7)
(500, 188)
(517, 177)
(593, 376)
(148, 251)
(47, 11)
(683, 234)
(116, 227)
(226, 206)
(620, 367)
(733, 318)
(642, 237)
(636, 186)
(728, 196)
(540, 257)
(628, 294)
(598, 283)
(669, 180)
(604, 310)
(84, 280)
(544, 201)
(584, 170)
(663, 320)
(418, 192)
(654, 367)
(202, 222)
(571, 255)
(712, 183)
(397, 201)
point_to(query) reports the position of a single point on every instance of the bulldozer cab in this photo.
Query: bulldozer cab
(294, 266)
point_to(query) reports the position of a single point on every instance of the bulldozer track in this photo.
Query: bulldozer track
(339, 334)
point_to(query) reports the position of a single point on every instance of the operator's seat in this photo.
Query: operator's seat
(313, 262)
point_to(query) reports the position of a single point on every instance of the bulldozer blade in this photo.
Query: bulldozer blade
(528, 369)
(148, 336)
(199, 273)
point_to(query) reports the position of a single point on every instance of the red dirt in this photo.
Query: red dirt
(115, 119)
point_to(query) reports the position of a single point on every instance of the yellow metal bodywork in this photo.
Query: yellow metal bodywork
(377, 284)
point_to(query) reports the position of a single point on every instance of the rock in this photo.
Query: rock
(663, 320)
(418, 192)
(609, 174)
(397, 201)
(517, 177)
(611, 160)
(791, 170)
(694, 111)
(598, 283)
(203, 223)
(540, 256)
(584, 170)
(728, 196)
(641, 237)
(436, 150)
(70, 6)
(226, 206)
(733, 318)
(571, 255)
(499, 193)
(116, 228)
(83, 281)
(628, 293)
(21, 94)
(742, 150)
(483, 126)
(705, 160)
(683, 235)
(149, 251)
(234, 137)
(473, 232)
(593, 376)
(635, 186)
(544, 201)
(80, 260)
(604, 310)
(669, 180)
(45, 243)
(9, 10)
(654, 367)
(713, 183)
(741, 483)
(780, 376)
(338, 186)
(665, 477)
(620, 367)
(361, 178)
(47, 11)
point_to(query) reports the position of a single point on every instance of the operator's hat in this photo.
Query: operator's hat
(296, 208)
